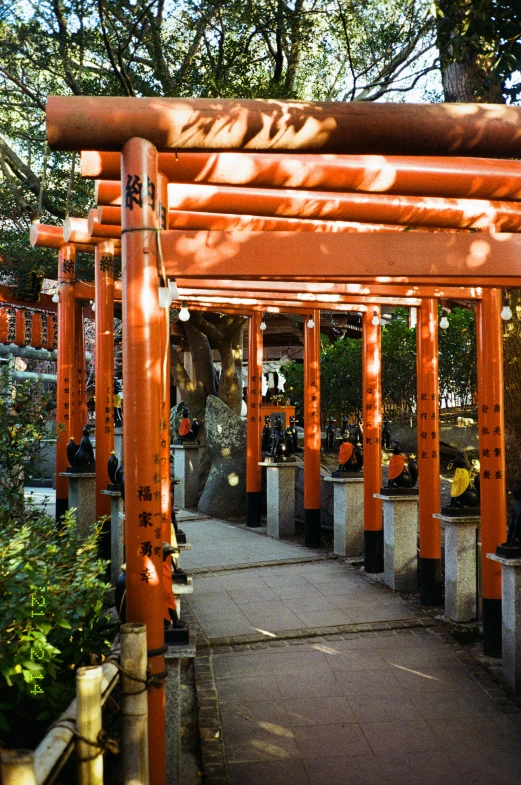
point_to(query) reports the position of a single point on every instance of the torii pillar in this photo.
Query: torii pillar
(80, 414)
(65, 398)
(104, 283)
(372, 403)
(142, 424)
(254, 425)
(312, 431)
(428, 453)
(489, 330)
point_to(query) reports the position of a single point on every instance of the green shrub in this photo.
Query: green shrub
(52, 598)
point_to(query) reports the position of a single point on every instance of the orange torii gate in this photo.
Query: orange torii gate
(140, 127)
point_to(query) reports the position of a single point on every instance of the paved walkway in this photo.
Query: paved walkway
(309, 673)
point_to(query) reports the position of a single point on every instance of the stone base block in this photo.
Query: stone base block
(280, 494)
(117, 534)
(400, 541)
(348, 515)
(186, 470)
(82, 496)
(173, 658)
(460, 566)
(510, 620)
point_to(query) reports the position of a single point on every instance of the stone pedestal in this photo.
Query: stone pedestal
(118, 443)
(400, 541)
(460, 566)
(117, 534)
(510, 620)
(280, 495)
(186, 470)
(173, 657)
(82, 496)
(348, 515)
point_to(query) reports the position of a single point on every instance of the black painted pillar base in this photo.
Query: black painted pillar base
(311, 528)
(62, 505)
(253, 509)
(492, 628)
(430, 582)
(374, 551)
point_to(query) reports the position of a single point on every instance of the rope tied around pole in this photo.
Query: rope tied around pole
(103, 742)
(152, 679)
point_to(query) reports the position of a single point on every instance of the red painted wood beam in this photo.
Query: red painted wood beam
(199, 124)
(398, 258)
(477, 178)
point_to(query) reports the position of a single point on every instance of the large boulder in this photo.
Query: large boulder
(224, 494)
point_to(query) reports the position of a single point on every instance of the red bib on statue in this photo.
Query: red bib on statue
(346, 451)
(396, 466)
(184, 426)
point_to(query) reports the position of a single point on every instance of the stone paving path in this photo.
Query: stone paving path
(310, 673)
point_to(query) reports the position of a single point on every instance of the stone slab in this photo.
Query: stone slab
(82, 497)
(186, 470)
(460, 566)
(348, 515)
(510, 620)
(173, 658)
(280, 495)
(400, 541)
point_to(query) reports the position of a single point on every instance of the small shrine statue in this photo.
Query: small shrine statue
(401, 474)
(463, 493)
(291, 433)
(82, 456)
(386, 434)
(331, 434)
(266, 438)
(350, 457)
(358, 431)
(344, 427)
(118, 404)
(114, 469)
(512, 547)
(282, 449)
(188, 430)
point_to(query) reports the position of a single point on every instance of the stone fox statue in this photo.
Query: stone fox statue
(462, 492)
(188, 429)
(350, 457)
(401, 475)
(514, 525)
(266, 439)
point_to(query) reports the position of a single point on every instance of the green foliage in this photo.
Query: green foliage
(398, 366)
(22, 429)
(457, 359)
(341, 368)
(51, 619)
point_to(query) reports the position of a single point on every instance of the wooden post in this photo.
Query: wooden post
(428, 453)
(492, 460)
(312, 430)
(79, 414)
(372, 402)
(65, 399)
(141, 445)
(88, 721)
(104, 282)
(254, 425)
(17, 767)
(134, 704)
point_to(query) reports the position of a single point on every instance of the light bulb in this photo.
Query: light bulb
(262, 325)
(506, 311)
(444, 322)
(184, 313)
(172, 288)
(165, 298)
(56, 297)
(311, 323)
(375, 321)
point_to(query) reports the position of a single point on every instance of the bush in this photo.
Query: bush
(51, 619)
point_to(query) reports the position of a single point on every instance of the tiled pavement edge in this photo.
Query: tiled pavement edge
(216, 770)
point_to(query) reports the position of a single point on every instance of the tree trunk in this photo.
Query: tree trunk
(466, 66)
